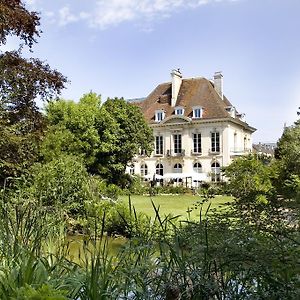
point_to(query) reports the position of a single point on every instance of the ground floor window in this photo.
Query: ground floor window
(160, 169)
(144, 170)
(197, 167)
(177, 168)
(215, 172)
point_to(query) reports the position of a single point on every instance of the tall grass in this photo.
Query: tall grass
(164, 258)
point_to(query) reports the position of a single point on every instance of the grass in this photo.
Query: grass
(176, 205)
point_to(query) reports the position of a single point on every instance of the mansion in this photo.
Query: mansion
(196, 131)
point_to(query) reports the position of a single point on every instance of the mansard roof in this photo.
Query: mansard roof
(193, 92)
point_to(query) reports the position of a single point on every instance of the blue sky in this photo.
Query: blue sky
(127, 47)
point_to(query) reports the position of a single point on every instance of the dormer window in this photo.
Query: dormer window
(179, 111)
(197, 112)
(231, 110)
(159, 115)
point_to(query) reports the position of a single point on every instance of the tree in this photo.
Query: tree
(16, 20)
(106, 136)
(72, 129)
(123, 132)
(248, 178)
(22, 81)
(288, 157)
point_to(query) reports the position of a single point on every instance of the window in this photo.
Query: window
(197, 143)
(159, 144)
(215, 172)
(159, 115)
(144, 170)
(179, 111)
(197, 112)
(177, 168)
(131, 170)
(159, 169)
(215, 142)
(245, 143)
(143, 152)
(177, 144)
(197, 168)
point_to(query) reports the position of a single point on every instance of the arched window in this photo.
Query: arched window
(197, 167)
(144, 170)
(177, 168)
(215, 172)
(160, 169)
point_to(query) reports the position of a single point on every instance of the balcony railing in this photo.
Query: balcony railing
(196, 152)
(172, 153)
(239, 151)
(214, 151)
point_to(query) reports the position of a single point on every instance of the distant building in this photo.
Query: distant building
(196, 130)
(267, 149)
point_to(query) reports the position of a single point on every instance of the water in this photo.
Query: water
(76, 246)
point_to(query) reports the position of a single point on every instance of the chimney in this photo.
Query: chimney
(218, 82)
(176, 83)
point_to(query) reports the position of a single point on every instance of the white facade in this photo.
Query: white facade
(194, 148)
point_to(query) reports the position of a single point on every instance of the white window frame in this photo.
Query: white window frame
(215, 172)
(159, 145)
(177, 138)
(197, 167)
(144, 169)
(197, 142)
(179, 111)
(177, 168)
(159, 115)
(215, 141)
(159, 169)
(197, 112)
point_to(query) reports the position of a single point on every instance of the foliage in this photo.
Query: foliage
(288, 166)
(22, 81)
(107, 137)
(44, 292)
(72, 129)
(18, 21)
(61, 183)
(123, 131)
(249, 180)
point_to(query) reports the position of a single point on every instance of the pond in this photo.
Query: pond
(76, 243)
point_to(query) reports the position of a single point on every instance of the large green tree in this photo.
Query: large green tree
(105, 136)
(288, 156)
(22, 82)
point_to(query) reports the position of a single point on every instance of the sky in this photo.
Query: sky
(125, 48)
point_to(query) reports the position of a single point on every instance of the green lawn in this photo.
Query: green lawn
(175, 204)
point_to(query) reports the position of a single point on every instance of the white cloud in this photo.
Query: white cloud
(105, 13)
(114, 12)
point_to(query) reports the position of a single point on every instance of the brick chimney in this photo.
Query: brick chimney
(218, 83)
(176, 83)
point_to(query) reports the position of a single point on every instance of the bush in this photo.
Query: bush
(61, 182)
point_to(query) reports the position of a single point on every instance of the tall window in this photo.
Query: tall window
(197, 168)
(144, 170)
(197, 143)
(131, 170)
(159, 144)
(215, 142)
(215, 172)
(177, 168)
(245, 143)
(177, 143)
(159, 169)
